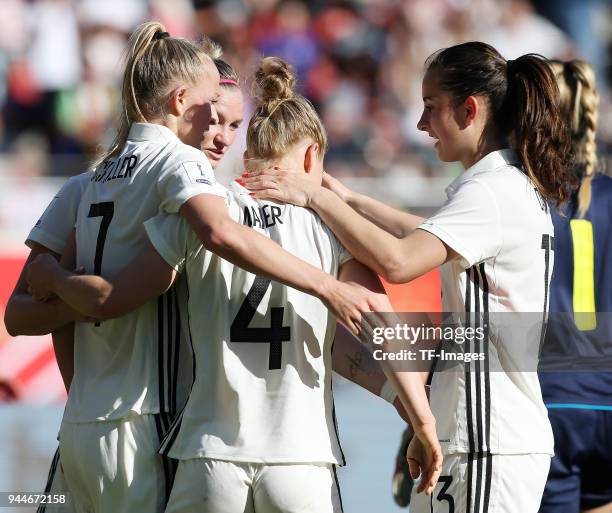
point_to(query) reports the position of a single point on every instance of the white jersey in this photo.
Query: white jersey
(135, 363)
(501, 228)
(57, 221)
(262, 392)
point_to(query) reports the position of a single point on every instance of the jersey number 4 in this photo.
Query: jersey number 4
(275, 335)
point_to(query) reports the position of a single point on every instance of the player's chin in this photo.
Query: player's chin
(443, 155)
(446, 156)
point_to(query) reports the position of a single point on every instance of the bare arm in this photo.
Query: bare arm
(63, 338)
(409, 385)
(145, 278)
(398, 260)
(26, 316)
(63, 347)
(410, 390)
(392, 220)
(208, 217)
(354, 361)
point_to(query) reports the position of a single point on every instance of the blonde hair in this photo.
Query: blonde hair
(282, 117)
(154, 63)
(226, 71)
(579, 101)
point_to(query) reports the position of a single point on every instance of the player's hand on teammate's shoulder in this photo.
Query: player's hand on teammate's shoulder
(425, 458)
(280, 184)
(349, 300)
(40, 274)
(336, 186)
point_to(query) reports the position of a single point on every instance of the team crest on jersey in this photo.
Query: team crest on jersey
(198, 173)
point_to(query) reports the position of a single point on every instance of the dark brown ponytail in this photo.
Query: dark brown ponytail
(524, 101)
(541, 134)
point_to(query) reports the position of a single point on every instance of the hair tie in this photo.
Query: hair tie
(160, 35)
(509, 64)
(228, 81)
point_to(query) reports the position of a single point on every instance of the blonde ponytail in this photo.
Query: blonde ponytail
(155, 62)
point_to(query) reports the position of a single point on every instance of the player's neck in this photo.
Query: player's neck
(486, 145)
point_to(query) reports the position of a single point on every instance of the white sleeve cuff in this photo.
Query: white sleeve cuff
(163, 248)
(45, 239)
(467, 257)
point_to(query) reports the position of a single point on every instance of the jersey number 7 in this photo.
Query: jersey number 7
(106, 211)
(275, 335)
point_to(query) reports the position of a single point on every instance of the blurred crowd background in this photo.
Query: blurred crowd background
(360, 62)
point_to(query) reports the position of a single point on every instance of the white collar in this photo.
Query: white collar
(151, 132)
(489, 162)
(234, 186)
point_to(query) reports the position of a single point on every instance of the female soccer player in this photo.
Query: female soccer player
(229, 108)
(127, 385)
(258, 432)
(580, 403)
(25, 316)
(350, 359)
(501, 120)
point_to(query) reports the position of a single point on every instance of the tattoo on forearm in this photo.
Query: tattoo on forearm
(362, 361)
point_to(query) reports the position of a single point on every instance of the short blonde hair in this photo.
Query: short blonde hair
(154, 63)
(282, 117)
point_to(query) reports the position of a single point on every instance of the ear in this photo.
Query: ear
(310, 157)
(471, 110)
(176, 101)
